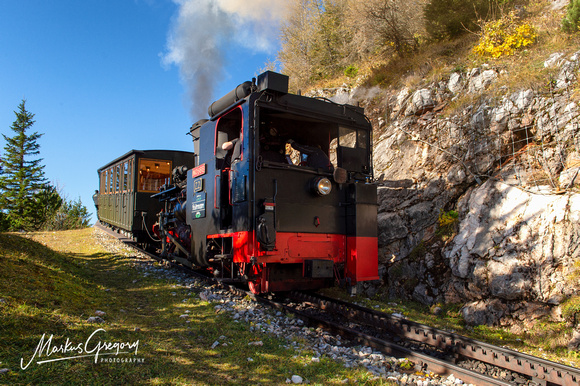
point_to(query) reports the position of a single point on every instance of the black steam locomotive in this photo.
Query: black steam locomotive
(280, 193)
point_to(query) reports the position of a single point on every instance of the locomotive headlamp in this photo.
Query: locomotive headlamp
(323, 186)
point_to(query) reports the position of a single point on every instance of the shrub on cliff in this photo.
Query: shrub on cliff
(446, 19)
(571, 22)
(503, 36)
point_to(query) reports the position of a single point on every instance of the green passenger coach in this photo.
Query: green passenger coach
(126, 185)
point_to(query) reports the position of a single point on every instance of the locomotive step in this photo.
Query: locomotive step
(221, 257)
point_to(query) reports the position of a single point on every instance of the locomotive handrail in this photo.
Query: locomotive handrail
(275, 105)
(215, 200)
(345, 105)
(164, 192)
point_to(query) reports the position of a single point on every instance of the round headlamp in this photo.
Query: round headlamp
(322, 186)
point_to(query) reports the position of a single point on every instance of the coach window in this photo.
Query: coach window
(117, 179)
(130, 187)
(110, 180)
(125, 176)
(153, 174)
(129, 175)
(103, 186)
(121, 177)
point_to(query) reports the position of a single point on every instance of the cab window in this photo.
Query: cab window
(347, 137)
(228, 128)
(110, 173)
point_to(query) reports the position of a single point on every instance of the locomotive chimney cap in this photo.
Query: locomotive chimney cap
(273, 81)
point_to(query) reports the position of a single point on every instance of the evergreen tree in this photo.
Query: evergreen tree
(76, 215)
(22, 175)
(45, 205)
(3, 217)
(70, 215)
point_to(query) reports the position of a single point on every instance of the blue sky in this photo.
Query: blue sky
(106, 76)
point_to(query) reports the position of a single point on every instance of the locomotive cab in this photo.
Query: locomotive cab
(281, 194)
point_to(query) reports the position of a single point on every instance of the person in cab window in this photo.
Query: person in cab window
(236, 153)
(316, 157)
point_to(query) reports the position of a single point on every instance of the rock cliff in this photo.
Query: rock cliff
(478, 190)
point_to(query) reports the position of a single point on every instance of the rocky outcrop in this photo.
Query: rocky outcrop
(508, 166)
(513, 246)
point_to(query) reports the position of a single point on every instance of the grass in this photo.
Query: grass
(52, 282)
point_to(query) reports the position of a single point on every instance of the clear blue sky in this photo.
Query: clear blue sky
(106, 76)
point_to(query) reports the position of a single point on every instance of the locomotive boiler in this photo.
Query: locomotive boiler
(280, 195)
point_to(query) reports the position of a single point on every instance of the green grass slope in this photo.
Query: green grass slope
(51, 283)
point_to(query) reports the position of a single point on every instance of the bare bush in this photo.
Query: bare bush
(321, 38)
(394, 24)
(314, 38)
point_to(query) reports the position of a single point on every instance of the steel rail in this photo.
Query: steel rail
(539, 370)
(422, 361)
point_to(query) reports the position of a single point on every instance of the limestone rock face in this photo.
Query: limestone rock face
(481, 79)
(507, 167)
(421, 102)
(515, 245)
(455, 83)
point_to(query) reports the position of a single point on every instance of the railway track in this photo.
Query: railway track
(524, 369)
(430, 349)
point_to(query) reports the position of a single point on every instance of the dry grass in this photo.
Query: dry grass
(435, 61)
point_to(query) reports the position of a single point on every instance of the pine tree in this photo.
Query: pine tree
(22, 176)
(45, 206)
(74, 215)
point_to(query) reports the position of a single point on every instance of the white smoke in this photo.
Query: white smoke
(203, 31)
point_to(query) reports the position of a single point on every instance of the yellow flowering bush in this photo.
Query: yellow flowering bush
(502, 37)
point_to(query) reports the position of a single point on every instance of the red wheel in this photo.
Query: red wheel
(255, 286)
(255, 279)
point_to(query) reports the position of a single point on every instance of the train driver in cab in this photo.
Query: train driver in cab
(315, 156)
(236, 145)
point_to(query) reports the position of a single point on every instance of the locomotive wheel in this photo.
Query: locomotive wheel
(255, 279)
(254, 286)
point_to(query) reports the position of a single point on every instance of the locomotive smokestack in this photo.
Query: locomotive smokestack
(205, 29)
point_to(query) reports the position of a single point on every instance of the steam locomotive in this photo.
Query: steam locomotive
(279, 193)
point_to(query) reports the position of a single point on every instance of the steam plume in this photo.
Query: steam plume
(203, 31)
